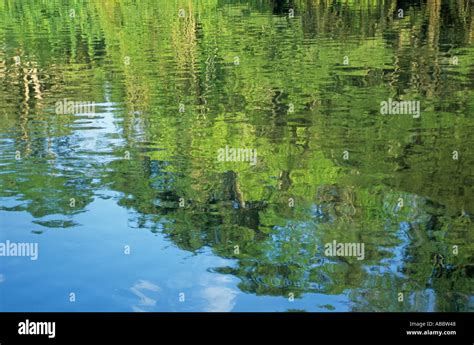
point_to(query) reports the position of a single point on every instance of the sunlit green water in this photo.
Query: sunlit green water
(172, 88)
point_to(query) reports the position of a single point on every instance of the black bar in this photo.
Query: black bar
(240, 328)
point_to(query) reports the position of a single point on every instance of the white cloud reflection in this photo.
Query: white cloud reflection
(219, 297)
(145, 301)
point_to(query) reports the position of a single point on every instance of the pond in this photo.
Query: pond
(230, 155)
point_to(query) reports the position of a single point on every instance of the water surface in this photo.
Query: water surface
(132, 209)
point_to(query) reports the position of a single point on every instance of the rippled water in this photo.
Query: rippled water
(132, 208)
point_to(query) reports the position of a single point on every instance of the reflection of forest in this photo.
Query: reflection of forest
(283, 61)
